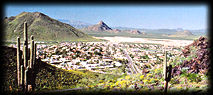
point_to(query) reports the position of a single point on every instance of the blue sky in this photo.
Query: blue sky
(136, 16)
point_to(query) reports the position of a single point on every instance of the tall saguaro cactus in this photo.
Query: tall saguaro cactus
(167, 73)
(22, 77)
(25, 65)
(18, 62)
(31, 53)
(25, 70)
(165, 65)
(25, 45)
(25, 79)
(34, 53)
(25, 33)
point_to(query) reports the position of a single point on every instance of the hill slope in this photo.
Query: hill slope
(197, 57)
(42, 27)
(47, 76)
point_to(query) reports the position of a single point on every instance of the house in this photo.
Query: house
(118, 64)
(83, 63)
(47, 59)
(56, 62)
(64, 59)
(109, 66)
(55, 56)
(76, 60)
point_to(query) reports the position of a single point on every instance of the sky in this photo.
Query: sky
(135, 16)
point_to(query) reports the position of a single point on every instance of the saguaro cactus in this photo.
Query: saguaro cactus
(22, 77)
(25, 45)
(25, 53)
(167, 73)
(25, 65)
(25, 34)
(33, 74)
(25, 79)
(29, 77)
(35, 48)
(25, 70)
(165, 65)
(18, 62)
(31, 53)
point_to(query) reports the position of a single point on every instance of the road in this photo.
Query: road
(132, 67)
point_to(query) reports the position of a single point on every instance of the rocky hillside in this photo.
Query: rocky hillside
(41, 26)
(46, 76)
(196, 58)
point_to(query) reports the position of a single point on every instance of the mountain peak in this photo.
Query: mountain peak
(101, 26)
(101, 23)
(38, 13)
(33, 14)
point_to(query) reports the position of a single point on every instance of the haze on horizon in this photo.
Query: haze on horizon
(134, 16)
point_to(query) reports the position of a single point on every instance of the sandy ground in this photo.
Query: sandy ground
(166, 42)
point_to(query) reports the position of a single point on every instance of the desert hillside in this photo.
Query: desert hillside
(43, 28)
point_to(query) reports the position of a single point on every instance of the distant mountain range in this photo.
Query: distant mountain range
(82, 25)
(76, 24)
(42, 27)
(103, 27)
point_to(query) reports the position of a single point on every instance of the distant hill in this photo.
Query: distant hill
(181, 33)
(199, 32)
(134, 32)
(103, 27)
(100, 27)
(148, 31)
(185, 32)
(43, 28)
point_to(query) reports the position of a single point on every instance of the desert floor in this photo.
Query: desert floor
(166, 42)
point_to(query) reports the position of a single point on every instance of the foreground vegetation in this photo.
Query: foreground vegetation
(189, 73)
(48, 77)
